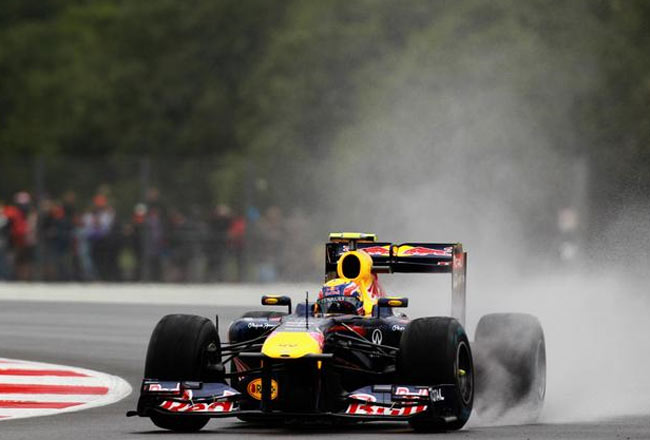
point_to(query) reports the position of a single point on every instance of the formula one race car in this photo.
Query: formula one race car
(348, 356)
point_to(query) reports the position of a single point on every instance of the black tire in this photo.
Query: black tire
(180, 348)
(510, 367)
(436, 351)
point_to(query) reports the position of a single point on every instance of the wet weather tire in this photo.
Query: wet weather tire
(436, 351)
(510, 367)
(180, 349)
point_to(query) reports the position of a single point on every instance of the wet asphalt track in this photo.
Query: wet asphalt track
(113, 337)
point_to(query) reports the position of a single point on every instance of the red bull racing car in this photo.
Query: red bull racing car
(350, 356)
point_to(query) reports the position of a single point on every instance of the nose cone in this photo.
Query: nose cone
(292, 345)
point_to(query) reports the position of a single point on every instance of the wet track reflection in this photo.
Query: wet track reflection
(113, 338)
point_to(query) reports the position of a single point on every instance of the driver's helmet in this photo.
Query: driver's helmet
(340, 296)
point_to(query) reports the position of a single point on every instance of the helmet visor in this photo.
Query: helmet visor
(341, 304)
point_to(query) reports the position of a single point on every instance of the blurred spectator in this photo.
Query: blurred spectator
(49, 217)
(180, 252)
(134, 238)
(104, 240)
(83, 233)
(153, 200)
(270, 235)
(154, 243)
(217, 243)
(237, 245)
(5, 228)
(22, 234)
(154, 236)
(187, 242)
(568, 235)
(196, 235)
(68, 271)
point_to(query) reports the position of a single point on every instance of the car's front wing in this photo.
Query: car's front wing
(376, 402)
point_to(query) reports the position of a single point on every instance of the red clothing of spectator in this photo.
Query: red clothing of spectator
(237, 232)
(19, 226)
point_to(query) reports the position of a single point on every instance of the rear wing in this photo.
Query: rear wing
(407, 258)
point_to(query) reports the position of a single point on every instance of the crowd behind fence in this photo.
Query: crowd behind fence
(193, 219)
(64, 239)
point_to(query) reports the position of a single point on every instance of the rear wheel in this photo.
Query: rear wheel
(436, 351)
(181, 348)
(510, 367)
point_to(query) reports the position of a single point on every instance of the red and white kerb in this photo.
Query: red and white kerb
(31, 389)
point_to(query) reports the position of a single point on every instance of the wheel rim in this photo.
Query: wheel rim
(464, 373)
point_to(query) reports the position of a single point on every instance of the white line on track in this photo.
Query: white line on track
(54, 380)
(50, 397)
(39, 389)
(208, 294)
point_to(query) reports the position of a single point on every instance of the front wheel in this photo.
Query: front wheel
(181, 348)
(436, 351)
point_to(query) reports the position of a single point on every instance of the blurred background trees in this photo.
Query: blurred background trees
(336, 109)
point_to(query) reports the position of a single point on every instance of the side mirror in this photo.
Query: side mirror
(276, 300)
(390, 302)
(393, 301)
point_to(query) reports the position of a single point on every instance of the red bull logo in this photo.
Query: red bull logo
(377, 250)
(424, 251)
